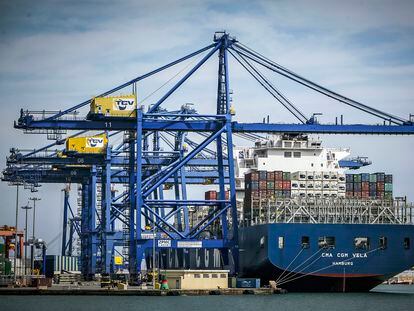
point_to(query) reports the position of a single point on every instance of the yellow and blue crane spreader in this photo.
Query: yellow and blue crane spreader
(87, 144)
(121, 106)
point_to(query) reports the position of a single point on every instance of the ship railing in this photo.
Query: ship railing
(339, 211)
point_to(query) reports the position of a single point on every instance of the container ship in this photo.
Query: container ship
(309, 226)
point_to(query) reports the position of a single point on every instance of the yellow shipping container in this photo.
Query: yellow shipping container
(115, 106)
(87, 144)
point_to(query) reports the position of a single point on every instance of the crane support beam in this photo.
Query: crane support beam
(208, 126)
(115, 161)
(324, 128)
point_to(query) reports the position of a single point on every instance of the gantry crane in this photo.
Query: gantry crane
(146, 170)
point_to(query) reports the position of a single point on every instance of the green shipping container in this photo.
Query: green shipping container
(388, 195)
(286, 175)
(2, 248)
(388, 187)
(8, 268)
(357, 178)
(372, 178)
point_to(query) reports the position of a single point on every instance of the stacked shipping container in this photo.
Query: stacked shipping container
(5, 263)
(261, 186)
(213, 195)
(2, 258)
(310, 184)
(373, 186)
(267, 185)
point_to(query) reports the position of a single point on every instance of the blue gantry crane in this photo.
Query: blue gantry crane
(145, 169)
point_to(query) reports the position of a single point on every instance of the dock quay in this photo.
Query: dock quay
(95, 291)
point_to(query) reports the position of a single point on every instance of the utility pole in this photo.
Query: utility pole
(27, 207)
(32, 248)
(15, 233)
(153, 257)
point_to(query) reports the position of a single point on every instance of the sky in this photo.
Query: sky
(56, 54)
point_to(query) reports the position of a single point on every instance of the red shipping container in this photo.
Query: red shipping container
(263, 194)
(380, 186)
(210, 195)
(286, 185)
(278, 185)
(365, 194)
(357, 194)
(270, 176)
(349, 194)
(380, 195)
(252, 176)
(365, 186)
(262, 185)
(278, 175)
(227, 196)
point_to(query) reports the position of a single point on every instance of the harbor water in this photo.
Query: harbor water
(384, 297)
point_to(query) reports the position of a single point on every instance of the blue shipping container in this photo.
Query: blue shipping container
(247, 283)
(364, 177)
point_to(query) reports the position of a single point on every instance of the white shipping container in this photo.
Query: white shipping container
(301, 175)
(317, 176)
(294, 184)
(310, 194)
(62, 263)
(294, 192)
(326, 185)
(318, 185)
(333, 194)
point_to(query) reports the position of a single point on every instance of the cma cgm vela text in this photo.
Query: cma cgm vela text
(310, 226)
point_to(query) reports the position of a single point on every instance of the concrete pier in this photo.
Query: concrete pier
(137, 292)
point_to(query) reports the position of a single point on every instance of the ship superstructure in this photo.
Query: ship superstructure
(301, 155)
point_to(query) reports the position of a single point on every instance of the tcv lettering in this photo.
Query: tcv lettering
(124, 104)
(93, 142)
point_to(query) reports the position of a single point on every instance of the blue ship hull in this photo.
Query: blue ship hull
(290, 254)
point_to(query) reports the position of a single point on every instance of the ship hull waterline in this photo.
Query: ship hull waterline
(276, 252)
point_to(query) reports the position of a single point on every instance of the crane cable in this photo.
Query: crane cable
(267, 63)
(266, 87)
